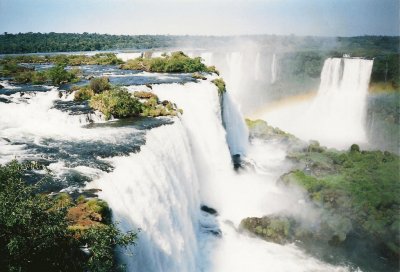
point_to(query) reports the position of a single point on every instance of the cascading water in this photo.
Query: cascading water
(160, 188)
(273, 69)
(186, 164)
(336, 117)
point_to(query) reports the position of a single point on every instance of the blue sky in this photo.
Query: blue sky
(203, 17)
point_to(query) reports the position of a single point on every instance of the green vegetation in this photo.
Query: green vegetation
(71, 60)
(100, 84)
(383, 117)
(39, 233)
(357, 192)
(83, 94)
(277, 229)
(220, 83)
(71, 42)
(197, 75)
(178, 62)
(56, 75)
(358, 186)
(261, 129)
(117, 102)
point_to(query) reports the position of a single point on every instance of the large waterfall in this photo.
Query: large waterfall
(188, 164)
(336, 116)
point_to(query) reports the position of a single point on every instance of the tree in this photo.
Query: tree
(34, 232)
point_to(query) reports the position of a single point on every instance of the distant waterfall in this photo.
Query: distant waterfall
(336, 116)
(257, 72)
(340, 105)
(273, 69)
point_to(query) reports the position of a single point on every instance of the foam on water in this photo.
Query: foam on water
(186, 164)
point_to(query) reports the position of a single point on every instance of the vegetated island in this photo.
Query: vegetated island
(355, 192)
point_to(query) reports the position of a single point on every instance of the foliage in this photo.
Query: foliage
(144, 95)
(260, 129)
(56, 75)
(83, 94)
(35, 235)
(178, 62)
(271, 228)
(383, 126)
(99, 84)
(71, 42)
(360, 186)
(220, 83)
(117, 102)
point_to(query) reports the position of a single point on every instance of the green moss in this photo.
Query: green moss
(274, 228)
(220, 83)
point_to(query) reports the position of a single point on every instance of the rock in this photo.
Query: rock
(209, 210)
(197, 75)
(236, 161)
(89, 77)
(1, 86)
(278, 229)
(149, 86)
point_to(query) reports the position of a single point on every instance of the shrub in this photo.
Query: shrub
(35, 236)
(118, 103)
(220, 83)
(143, 94)
(83, 94)
(58, 75)
(99, 84)
(178, 62)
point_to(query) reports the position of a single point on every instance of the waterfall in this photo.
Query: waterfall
(156, 190)
(273, 69)
(128, 56)
(237, 132)
(339, 109)
(336, 116)
(186, 164)
(257, 73)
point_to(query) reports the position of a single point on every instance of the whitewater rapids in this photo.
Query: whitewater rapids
(188, 164)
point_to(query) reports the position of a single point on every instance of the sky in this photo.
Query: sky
(203, 17)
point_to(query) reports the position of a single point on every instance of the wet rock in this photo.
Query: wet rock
(237, 162)
(1, 86)
(209, 210)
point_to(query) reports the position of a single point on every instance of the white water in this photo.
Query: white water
(160, 190)
(273, 69)
(336, 117)
(128, 56)
(248, 73)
